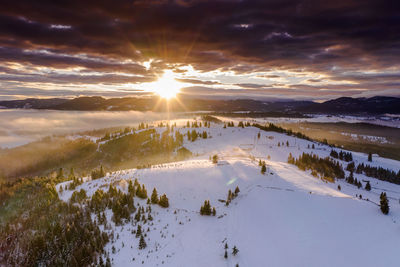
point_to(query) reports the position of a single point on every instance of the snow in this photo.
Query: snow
(371, 138)
(283, 218)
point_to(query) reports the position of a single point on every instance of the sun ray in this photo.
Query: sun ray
(166, 86)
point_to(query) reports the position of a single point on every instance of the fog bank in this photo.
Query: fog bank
(19, 126)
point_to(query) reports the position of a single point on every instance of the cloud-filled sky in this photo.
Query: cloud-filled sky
(302, 49)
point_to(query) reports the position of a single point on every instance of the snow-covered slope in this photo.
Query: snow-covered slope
(285, 217)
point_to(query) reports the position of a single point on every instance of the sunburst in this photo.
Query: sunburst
(167, 86)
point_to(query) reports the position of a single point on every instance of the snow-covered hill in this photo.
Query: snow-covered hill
(285, 217)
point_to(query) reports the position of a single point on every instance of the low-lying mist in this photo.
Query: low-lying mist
(18, 127)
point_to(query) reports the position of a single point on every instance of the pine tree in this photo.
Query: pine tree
(139, 191)
(154, 196)
(194, 135)
(206, 208)
(290, 159)
(368, 186)
(108, 262)
(384, 203)
(71, 174)
(131, 189)
(164, 201)
(237, 190)
(350, 179)
(234, 250)
(215, 159)
(369, 157)
(138, 231)
(226, 254)
(142, 243)
(214, 212)
(263, 169)
(229, 195)
(102, 174)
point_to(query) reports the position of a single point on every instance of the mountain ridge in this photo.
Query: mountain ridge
(341, 105)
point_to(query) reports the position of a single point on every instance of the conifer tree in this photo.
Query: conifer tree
(164, 201)
(154, 196)
(108, 262)
(102, 174)
(368, 186)
(384, 203)
(215, 159)
(194, 135)
(369, 157)
(138, 231)
(235, 250)
(290, 159)
(229, 195)
(131, 188)
(142, 243)
(206, 208)
(263, 169)
(71, 174)
(138, 191)
(237, 190)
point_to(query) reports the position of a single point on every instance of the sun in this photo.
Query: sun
(166, 86)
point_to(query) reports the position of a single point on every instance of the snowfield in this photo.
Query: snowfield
(285, 217)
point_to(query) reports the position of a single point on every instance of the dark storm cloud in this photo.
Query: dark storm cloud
(329, 37)
(57, 59)
(76, 79)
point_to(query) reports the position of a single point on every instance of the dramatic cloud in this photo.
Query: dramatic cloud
(341, 47)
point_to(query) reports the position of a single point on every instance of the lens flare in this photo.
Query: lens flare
(166, 86)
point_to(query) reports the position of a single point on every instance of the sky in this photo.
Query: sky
(295, 49)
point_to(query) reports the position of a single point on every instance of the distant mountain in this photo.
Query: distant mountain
(342, 105)
(348, 105)
(32, 103)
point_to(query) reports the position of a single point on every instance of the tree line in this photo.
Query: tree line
(326, 167)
